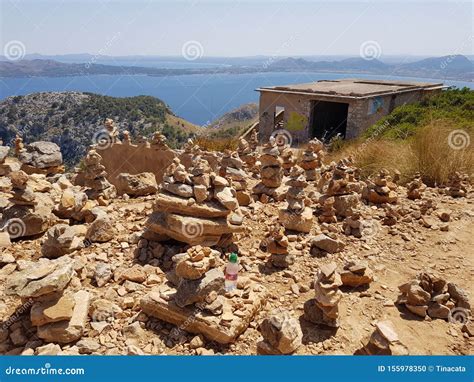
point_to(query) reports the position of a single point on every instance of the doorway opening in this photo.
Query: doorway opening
(328, 119)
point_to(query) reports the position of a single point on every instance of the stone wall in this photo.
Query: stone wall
(134, 159)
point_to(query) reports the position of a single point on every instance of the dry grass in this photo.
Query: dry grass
(438, 154)
(428, 152)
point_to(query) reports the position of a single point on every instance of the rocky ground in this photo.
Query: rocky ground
(118, 273)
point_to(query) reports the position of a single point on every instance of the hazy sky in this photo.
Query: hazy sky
(238, 28)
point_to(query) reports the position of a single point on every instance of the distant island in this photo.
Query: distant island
(455, 67)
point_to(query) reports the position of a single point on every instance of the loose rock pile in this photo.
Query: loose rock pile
(59, 315)
(433, 296)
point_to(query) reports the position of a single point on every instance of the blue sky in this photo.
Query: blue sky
(238, 28)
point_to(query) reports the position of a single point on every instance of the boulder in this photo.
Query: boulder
(71, 203)
(296, 222)
(63, 239)
(192, 291)
(281, 332)
(102, 228)
(136, 184)
(327, 243)
(42, 155)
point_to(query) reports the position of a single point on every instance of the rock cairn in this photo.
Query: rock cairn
(199, 275)
(281, 334)
(253, 141)
(356, 274)
(289, 160)
(126, 138)
(353, 225)
(415, 188)
(95, 176)
(433, 296)
(4, 169)
(271, 173)
(231, 168)
(112, 131)
(41, 158)
(159, 142)
(195, 207)
(29, 213)
(323, 309)
(247, 154)
(296, 216)
(19, 146)
(381, 190)
(23, 194)
(328, 212)
(383, 341)
(196, 301)
(58, 314)
(312, 159)
(345, 189)
(277, 245)
(457, 185)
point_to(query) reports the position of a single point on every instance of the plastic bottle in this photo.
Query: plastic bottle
(231, 271)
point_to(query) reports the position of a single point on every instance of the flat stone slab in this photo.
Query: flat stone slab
(191, 230)
(223, 328)
(171, 203)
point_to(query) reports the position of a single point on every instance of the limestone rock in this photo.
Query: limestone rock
(69, 330)
(42, 155)
(327, 243)
(136, 185)
(282, 332)
(192, 291)
(43, 277)
(63, 239)
(52, 310)
(102, 228)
